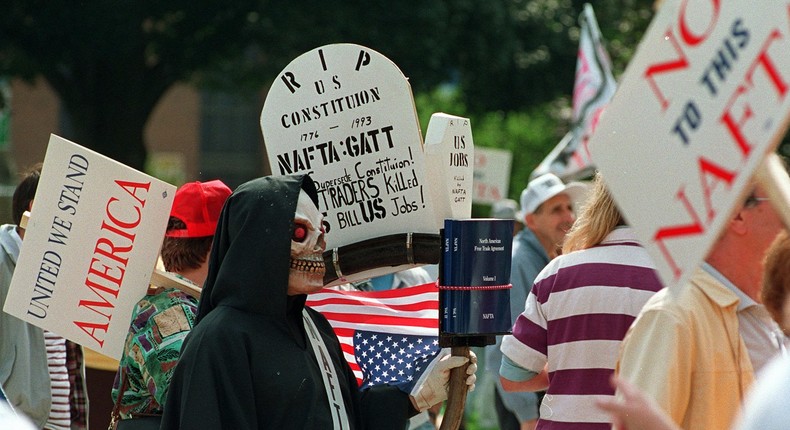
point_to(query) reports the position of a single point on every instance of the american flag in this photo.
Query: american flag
(387, 336)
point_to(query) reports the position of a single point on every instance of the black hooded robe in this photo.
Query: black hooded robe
(247, 364)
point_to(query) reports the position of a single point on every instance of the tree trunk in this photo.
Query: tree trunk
(107, 108)
(119, 138)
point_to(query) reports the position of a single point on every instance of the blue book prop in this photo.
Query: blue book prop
(475, 277)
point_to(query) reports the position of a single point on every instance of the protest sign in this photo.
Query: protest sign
(492, 175)
(90, 246)
(703, 101)
(345, 114)
(449, 153)
(593, 87)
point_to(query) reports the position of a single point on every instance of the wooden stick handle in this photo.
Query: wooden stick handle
(25, 219)
(159, 278)
(456, 394)
(773, 176)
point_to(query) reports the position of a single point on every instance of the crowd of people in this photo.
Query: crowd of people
(243, 352)
(615, 349)
(579, 307)
(42, 374)
(596, 341)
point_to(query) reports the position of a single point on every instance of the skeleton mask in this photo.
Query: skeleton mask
(307, 247)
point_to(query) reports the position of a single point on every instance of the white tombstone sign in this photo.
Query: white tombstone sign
(492, 175)
(702, 102)
(449, 153)
(345, 114)
(90, 246)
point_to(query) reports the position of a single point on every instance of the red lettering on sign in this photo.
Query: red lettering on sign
(103, 272)
(738, 111)
(133, 187)
(735, 126)
(487, 192)
(110, 255)
(765, 62)
(689, 38)
(94, 304)
(90, 329)
(119, 223)
(680, 63)
(710, 175)
(681, 230)
(109, 249)
(694, 39)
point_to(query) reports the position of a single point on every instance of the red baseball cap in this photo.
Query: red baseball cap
(198, 205)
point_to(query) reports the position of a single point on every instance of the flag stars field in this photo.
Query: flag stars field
(381, 340)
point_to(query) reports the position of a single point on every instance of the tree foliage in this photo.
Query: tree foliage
(528, 58)
(110, 62)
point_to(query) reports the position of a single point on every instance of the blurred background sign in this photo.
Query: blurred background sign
(491, 175)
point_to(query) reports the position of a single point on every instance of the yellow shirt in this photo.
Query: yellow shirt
(684, 350)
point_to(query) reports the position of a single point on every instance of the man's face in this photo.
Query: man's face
(551, 221)
(307, 247)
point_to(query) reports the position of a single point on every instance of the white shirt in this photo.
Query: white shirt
(762, 335)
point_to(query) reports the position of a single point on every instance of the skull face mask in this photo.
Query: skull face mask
(307, 247)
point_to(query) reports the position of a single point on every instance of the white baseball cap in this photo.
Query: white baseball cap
(505, 209)
(545, 187)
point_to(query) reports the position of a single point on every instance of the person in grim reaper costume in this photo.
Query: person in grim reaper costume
(257, 358)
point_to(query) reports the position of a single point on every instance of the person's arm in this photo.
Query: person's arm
(525, 268)
(384, 407)
(524, 360)
(516, 378)
(633, 410)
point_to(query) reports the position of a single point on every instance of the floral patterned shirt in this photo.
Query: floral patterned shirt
(160, 322)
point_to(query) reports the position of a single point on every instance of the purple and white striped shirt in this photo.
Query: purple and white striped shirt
(574, 319)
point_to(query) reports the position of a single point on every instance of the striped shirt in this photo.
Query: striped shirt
(60, 411)
(575, 318)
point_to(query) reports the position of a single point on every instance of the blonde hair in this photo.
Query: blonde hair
(597, 218)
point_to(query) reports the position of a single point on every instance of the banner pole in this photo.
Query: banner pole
(456, 393)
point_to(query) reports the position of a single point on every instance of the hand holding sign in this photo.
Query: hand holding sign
(344, 113)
